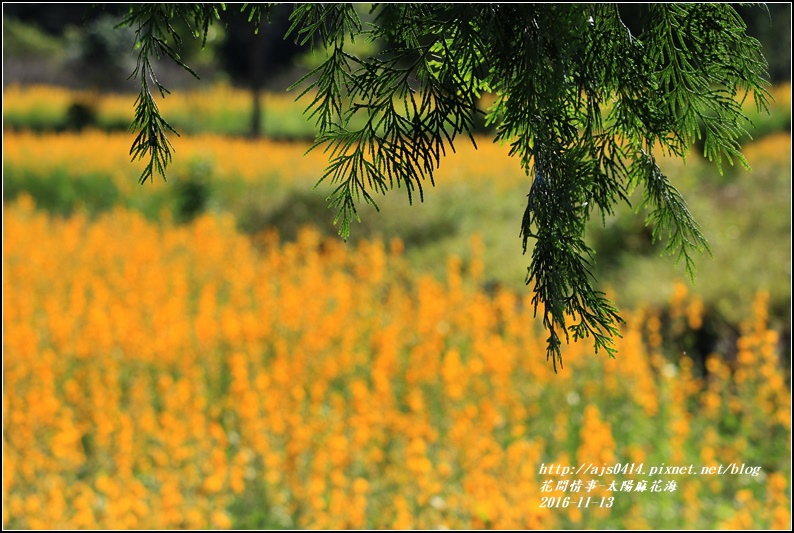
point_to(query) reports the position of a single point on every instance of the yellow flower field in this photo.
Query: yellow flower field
(161, 376)
(254, 161)
(230, 159)
(219, 109)
(213, 105)
(217, 99)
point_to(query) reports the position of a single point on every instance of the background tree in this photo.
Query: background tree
(584, 101)
(250, 57)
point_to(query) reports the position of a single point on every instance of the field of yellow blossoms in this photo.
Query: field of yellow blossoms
(165, 375)
(221, 108)
(160, 376)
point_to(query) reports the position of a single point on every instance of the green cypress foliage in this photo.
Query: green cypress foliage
(582, 101)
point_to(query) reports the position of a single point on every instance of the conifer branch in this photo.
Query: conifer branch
(582, 101)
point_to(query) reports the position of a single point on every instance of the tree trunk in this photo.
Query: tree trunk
(259, 50)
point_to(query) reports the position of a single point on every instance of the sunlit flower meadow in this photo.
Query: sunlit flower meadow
(219, 107)
(161, 376)
(230, 158)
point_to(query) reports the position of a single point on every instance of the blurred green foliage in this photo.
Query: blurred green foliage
(26, 40)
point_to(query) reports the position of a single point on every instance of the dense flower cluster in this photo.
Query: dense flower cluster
(160, 376)
(43, 154)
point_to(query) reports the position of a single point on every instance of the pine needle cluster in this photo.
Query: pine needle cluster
(585, 103)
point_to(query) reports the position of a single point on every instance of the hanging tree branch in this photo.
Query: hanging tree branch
(582, 101)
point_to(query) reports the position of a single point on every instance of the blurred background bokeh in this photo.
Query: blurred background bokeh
(207, 353)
